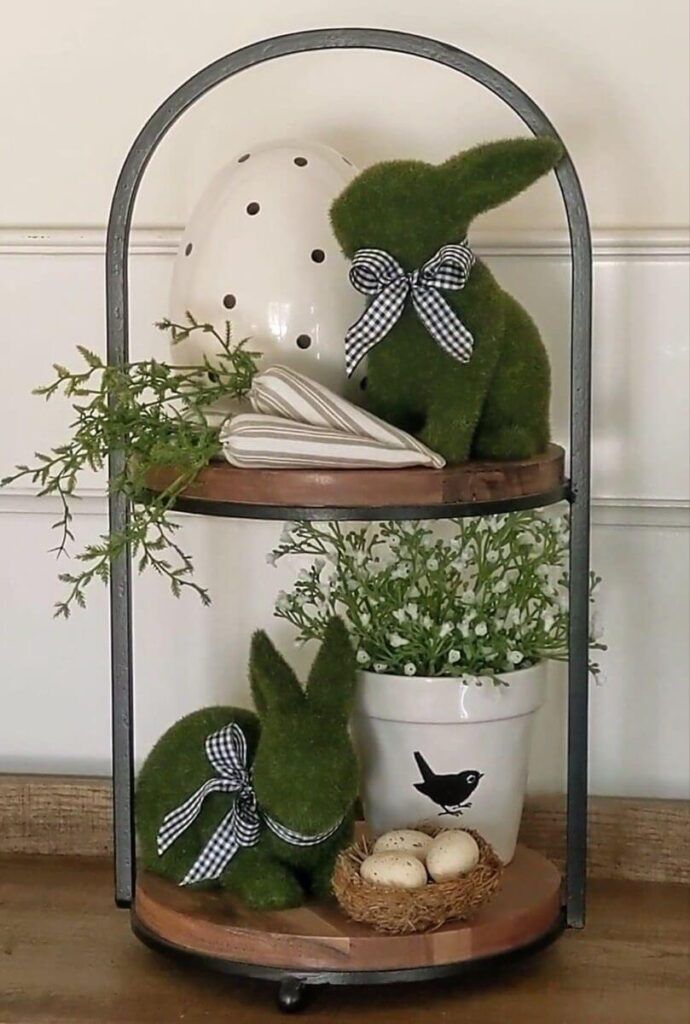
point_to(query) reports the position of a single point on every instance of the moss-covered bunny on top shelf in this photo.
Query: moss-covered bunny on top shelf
(494, 405)
(260, 805)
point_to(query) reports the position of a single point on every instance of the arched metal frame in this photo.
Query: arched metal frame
(119, 226)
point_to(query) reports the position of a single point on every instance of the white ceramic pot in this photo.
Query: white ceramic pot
(437, 750)
(260, 252)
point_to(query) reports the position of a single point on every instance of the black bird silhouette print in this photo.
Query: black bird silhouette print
(450, 792)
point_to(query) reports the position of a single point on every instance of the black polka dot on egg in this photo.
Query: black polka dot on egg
(301, 161)
(188, 248)
(229, 301)
(318, 255)
(253, 208)
(363, 384)
(241, 159)
(303, 341)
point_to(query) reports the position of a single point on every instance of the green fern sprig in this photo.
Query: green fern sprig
(157, 415)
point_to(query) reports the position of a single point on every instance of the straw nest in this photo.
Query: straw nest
(402, 911)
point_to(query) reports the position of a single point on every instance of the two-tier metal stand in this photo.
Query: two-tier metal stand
(312, 945)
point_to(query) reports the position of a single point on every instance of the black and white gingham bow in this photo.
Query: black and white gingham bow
(375, 272)
(227, 752)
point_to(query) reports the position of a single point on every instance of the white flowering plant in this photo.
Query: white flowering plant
(474, 598)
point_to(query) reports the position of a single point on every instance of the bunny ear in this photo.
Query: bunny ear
(274, 685)
(493, 173)
(331, 684)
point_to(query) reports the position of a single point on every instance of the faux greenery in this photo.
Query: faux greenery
(304, 775)
(486, 596)
(496, 406)
(156, 415)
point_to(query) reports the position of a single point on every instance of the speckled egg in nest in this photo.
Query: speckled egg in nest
(399, 911)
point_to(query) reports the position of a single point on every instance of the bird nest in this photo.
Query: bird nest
(399, 911)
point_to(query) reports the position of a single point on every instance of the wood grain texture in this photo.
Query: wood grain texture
(67, 956)
(629, 838)
(356, 488)
(318, 936)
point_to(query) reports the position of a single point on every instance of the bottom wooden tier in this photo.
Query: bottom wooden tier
(317, 937)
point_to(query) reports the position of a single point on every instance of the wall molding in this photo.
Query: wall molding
(657, 513)
(623, 243)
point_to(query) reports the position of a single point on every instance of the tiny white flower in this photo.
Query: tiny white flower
(286, 533)
(432, 564)
(365, 618)
(399, 614)
(492, 557)
(282, 601)
(500, 587)
(362, 657)
(380, 666)
(445, 629)
(303, 575)
(427, 621)
(515, 657)
(410, 668)
(481, 629)
(396, 640)
(453, 656)
(412, 610)
(467, 597)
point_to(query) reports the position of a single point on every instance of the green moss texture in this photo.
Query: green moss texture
(496, 406)
(305, 775)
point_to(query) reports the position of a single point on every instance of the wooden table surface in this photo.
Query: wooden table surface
(67, 956)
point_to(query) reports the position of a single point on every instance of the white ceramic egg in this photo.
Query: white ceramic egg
(404, 840)
(397, 870)
(451, 854)
(260, 252)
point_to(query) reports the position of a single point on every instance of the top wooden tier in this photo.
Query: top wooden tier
(474, 488)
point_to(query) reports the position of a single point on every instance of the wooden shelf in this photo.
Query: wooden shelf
(318, 937)
(221, 489)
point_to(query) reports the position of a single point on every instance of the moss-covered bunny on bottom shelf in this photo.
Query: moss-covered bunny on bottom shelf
(495, 405)
(299, 783)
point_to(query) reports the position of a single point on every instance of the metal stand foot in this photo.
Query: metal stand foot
(291, 995)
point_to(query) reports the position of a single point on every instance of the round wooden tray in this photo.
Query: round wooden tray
(319, 938)
(221, 489)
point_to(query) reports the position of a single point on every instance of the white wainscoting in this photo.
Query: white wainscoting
(55, 707)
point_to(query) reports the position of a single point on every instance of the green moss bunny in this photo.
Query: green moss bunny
(301, 781)
(495, 405)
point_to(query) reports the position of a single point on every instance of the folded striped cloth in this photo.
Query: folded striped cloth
(299, 423)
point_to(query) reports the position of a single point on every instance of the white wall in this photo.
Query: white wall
(83, 76)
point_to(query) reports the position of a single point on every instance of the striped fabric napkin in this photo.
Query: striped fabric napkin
(299, 423)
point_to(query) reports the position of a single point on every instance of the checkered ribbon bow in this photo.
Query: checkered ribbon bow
(226, 750)
(375, 272)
